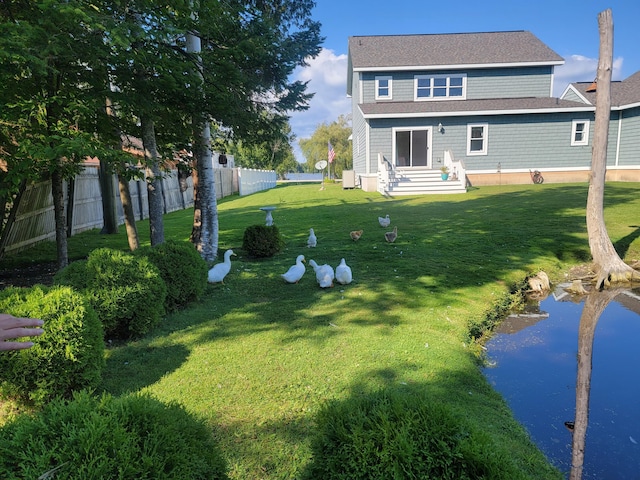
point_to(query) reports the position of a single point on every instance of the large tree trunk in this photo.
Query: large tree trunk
(205, 220)
(154, 181)
(109, 211)
(57, 193)
(594, 304)
(129, 217)
(204, 234)
(607, 263)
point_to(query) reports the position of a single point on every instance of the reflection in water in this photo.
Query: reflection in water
(594, 305)
(535, 356)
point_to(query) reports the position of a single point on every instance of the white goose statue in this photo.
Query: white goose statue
(220, 270)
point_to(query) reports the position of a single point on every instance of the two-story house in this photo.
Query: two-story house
(480, 104)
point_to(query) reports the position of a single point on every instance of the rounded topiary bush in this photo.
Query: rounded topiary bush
(261, 241)
(134, 436)
(182, 268)
(398, 435)
(68, 356)
(126, 291)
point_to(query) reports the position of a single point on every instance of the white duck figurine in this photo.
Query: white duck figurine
(312, 241)
(220, 270)
(295, 272)
(384, 221)
(343, 273)
(324, 274)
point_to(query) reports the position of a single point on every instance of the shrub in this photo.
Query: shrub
(182, 268)
(392, 435)
(134, 436)
(126, 291)
(261, 241)
(68, 356)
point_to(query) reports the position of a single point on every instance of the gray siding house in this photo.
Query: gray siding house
(480, 104)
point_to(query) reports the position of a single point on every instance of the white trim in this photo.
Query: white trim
(389, 78)
(469, 66)
(585, 133)
(578, 94)
(367, 149)
(619, 137)
(554, 169)
(485, 139)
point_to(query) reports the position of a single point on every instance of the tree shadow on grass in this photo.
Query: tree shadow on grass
(137, 365)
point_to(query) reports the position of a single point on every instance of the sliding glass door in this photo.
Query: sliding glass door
(412, 148)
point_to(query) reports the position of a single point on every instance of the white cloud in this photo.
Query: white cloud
(578, 68)
(327, 77)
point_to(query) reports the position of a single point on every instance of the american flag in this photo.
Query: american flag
(332, 153)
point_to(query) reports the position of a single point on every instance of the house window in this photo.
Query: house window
(440, 87)
(412, 148)
(383, 88)
(579, 132)
(477, 139)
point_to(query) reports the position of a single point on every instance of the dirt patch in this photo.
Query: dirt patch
(27, 276)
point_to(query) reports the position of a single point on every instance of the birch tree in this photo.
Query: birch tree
(608, 265)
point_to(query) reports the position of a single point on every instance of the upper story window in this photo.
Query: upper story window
(440, 87)
(383, 88)
(579, 132)
(477, 137)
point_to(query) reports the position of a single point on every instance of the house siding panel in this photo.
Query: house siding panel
(509, 83)
(358, 125)
(514, 141)
(481, 84)
(571, 95)
(630, 138)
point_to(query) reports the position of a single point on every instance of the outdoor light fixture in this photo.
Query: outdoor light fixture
(440, 128)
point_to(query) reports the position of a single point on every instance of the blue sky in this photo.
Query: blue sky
(569, 27)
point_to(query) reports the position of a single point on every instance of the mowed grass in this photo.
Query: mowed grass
(256, 357)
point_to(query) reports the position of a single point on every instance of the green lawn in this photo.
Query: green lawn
(257, 357)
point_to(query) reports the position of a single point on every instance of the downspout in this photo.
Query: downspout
(619, 135)
(367, 152)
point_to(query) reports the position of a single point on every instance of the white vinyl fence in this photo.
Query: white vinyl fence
(35, 221)
(252, 181)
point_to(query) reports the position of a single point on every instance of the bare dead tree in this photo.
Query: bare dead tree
(608, 265)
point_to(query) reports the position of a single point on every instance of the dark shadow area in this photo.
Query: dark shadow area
(622, 245)
(137, 365)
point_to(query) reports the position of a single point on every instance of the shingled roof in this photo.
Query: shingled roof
(491, 106)
(626, 92)
(382, 52)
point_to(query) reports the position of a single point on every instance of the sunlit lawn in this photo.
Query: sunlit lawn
(257, 357)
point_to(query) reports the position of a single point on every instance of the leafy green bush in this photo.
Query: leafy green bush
(390, 435)
(261, 241)
(126, 291)
(134, 436)
(68, 356)
(182, 269)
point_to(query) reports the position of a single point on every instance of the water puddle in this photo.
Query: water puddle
(570, 371)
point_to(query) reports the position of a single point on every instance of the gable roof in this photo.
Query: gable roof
(468, 50)
(623, 94)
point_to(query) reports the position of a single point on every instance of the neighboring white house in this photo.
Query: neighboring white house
(480, 104)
